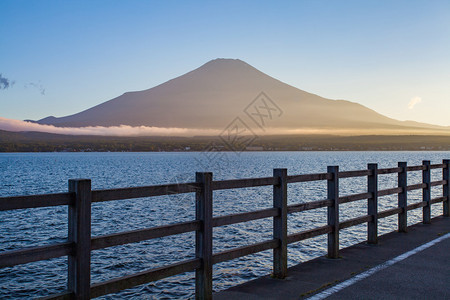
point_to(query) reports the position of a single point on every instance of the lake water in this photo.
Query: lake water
(38, 173)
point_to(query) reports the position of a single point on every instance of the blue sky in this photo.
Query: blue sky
(67, 56)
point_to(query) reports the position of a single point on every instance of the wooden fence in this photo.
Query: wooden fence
(80, 243)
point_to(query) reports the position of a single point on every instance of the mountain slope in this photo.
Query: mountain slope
(211, 96)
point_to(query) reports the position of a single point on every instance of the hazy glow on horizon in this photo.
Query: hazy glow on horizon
(122, 130)
(125, 130)
(59, 57)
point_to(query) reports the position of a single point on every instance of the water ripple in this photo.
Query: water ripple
(37, 173)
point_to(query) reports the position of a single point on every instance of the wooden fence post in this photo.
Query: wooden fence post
(280, 224)
(79, 265)
(446, 187)
(372, 204)
(333, 211)
(426, 192)
(203, 237)
(403, 198)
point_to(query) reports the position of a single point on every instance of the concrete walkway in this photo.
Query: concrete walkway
(383, 271)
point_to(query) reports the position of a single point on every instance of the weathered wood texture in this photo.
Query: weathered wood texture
(389, 171)
(79, 264)
(307, 234)
(354, 197)
(244, 217)
(358, 173)
(203, 237)
(33, 201)
(245, 250)
(134, 236)
(66, 295)
(294, 208)
(438, 182)
(308, 177)
(333, 212)
(416, 205)
(117, 284)
(438, 199)
(426, 192)
(389, 212)
(391, 191)
(402, 198)
(27, 255)
(438, 166)
(446, 187)
(416, 186)
(144, 191)
(243, 183)
(354, 222)
(280, 223)
(372, 204)
(415, 168)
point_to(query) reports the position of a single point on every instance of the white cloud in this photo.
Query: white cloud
(413, 102)
(122, 130)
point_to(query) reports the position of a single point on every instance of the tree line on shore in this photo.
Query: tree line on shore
(45, 142)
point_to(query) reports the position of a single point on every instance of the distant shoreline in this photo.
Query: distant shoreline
(225, 151)
(12, 142)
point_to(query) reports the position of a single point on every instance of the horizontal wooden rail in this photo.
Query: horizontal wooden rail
(416, 205)
(438, 199)
(244, 251)
(308, 206)
(46, 200)
(308, 177)
(134, 236)
(129, 281)
(357, 173)
(438, 166)
(438, 182)
(415, 168)
(417, 186)
(243, 183)
(389, 171)
(66, 295)
(389, 212)
(390, 191)
(244, 217)
(307, 234)
(354, 197)
(27, 255)
(144, 191)
(33, 201)
(354, 222)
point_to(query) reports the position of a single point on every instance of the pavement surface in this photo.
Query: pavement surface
(413, 265)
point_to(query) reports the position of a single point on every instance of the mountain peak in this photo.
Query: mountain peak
(229, 70)
(226, 63)
(211, 96)
(224, 60)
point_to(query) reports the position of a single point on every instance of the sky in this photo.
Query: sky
(61, 57)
